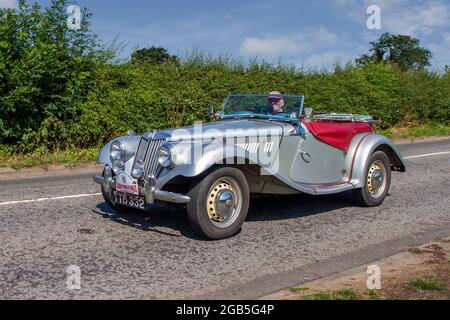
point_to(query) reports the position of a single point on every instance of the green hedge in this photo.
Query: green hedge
(58, 89)
(143, 98)
(46, 73)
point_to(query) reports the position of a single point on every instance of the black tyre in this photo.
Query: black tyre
(377, 181)
(219, 203)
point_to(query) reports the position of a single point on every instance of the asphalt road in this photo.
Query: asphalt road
(285, 241)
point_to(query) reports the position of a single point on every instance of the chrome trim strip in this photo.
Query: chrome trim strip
(170, 196)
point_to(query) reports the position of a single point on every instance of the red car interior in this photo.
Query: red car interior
(337, 134)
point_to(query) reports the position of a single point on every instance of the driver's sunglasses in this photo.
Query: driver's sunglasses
(274, 99)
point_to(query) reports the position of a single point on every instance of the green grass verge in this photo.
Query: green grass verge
(428, 285)
(373, 295)
(343, 294)
(425, 130)
(70, 158)
(298, 289)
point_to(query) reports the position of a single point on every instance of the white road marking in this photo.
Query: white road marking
(52, 198)
(427, 155)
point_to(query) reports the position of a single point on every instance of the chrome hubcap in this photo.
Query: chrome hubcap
(224, 202)
(375, 179)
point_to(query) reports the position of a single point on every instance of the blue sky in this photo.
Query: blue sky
(313, 34)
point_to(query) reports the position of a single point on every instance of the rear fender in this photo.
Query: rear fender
(370, 144)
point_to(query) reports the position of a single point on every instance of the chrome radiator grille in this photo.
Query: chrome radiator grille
(142, 150)
(151, 160)
(147, 152)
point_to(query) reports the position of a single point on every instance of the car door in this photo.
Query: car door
(316, 162)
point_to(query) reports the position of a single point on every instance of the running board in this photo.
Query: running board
(333, 188)
(315, 189)
(322, 189)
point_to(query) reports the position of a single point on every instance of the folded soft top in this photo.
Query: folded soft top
(337, 134)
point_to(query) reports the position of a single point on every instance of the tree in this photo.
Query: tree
(152, 56)
(46, 71)
(400, 50)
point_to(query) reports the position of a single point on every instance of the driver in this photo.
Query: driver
(276, 100)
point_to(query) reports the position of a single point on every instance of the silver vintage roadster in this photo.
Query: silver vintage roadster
(260, 144)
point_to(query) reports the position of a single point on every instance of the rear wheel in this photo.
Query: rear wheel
(377, 181)
(219, 203)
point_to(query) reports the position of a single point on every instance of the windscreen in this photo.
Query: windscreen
(263, 105)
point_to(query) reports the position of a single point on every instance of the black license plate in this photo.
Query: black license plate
(129, 200)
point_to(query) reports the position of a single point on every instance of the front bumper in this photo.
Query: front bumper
(149, 190)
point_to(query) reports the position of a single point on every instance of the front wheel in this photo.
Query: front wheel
(219, 203)
(377, 181)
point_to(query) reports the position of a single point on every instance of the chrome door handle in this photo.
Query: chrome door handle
(304, 154)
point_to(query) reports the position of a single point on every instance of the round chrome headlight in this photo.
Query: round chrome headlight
(118, 165)
(166, 155)
(117, 150)
(138, 169)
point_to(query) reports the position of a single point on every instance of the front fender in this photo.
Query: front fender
(103, 157)
(131, 144)
(370, 144)
(207, 155)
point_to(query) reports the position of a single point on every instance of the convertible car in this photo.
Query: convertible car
(259, 144)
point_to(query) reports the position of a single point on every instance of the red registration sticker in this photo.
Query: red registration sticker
(125, 183)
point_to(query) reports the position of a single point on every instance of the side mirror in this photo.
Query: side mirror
(308, 113)
(212, 113)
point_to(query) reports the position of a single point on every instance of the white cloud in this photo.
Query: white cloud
(386, 4)
(440, 49)
(321, 36)
(327, 59)
(419, 20)
(402, 16)
(345, 3)
(357, 9)
(427, 20)
(358, 5)
(8, 4)
(272, 45)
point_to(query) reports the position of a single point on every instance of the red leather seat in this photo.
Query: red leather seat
(337, 134)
